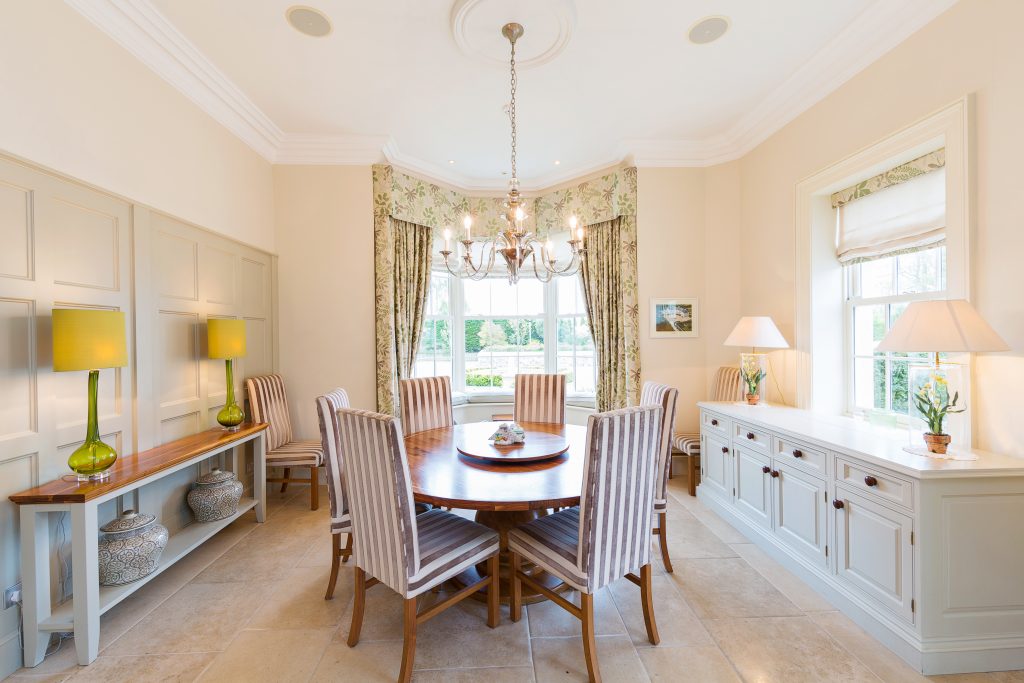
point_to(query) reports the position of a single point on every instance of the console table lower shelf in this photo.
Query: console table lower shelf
(81, 614)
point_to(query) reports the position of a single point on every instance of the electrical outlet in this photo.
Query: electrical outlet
(12, 596)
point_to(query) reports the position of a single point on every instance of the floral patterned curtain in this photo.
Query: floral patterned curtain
(412, 283)
(610, 291)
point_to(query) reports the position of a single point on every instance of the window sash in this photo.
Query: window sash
(457, 319)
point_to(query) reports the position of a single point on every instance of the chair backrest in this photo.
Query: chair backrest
(617, 502)
(330, 436)
(727, 385)
(654, 394)
(380, 497)
(539, 398)
(426, 403)
(268, 403)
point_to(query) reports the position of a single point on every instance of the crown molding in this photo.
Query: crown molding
(142, 30)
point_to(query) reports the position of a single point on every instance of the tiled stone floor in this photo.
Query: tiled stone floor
(248, 606)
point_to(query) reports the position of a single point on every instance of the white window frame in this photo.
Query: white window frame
(851, 300)
(456, 321)
(819, 352)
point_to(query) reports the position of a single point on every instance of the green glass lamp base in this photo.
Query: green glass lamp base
(231, 415)
(92, 459)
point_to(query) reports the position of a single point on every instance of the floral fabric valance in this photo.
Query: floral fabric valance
(419, 201)
(902, 173)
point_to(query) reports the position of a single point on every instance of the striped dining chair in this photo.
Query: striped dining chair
(268, 403)
(408, 553)
(426, 403)
(539, 398)
(606, 537)
(725, 387)
(327, 407)
(654, 394)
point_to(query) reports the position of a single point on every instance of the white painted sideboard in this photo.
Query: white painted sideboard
(927, 555)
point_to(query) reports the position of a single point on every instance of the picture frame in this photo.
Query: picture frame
(675, 318)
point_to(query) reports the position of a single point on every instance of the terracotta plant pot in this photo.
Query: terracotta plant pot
(753, 399)
(937, 443)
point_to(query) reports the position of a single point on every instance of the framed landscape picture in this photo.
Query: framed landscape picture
(674, 318)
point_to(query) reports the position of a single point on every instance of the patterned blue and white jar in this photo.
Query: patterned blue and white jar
(215, 496)
(131, 548)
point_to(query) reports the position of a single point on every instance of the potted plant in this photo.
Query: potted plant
(932, 400)
(752, 373)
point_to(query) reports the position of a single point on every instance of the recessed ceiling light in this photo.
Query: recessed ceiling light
(708, 30)
(557, 162)
(451, 161)
(309, 21)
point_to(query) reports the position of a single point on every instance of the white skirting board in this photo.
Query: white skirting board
(930, 658)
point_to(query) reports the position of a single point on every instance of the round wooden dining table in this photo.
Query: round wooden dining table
(504, 494)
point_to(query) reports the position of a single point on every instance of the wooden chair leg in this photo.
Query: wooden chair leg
(409, 641)
(347, 552)
(647, 599)
(335, 564)
(314, 488)
(287, 473)
(691, 473)
(670, 464)
(358, 605)
(589, 644)
(515, 602)
(492, 592)
(663, 540)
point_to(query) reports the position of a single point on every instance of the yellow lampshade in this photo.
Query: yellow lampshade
(225, 338)
(88, 339)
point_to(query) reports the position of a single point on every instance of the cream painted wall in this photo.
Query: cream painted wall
(75, 101)
(324, 221)
(670, 262)
(975, 47)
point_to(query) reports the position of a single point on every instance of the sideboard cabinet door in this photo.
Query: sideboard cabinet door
(874, 556)
(717, 462)
(801, 511)
(753, 487)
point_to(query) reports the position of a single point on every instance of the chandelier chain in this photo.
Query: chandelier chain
(512, 108)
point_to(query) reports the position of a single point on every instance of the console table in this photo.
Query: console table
(925, 554)
(82, 613)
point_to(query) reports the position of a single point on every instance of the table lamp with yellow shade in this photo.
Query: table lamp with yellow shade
(89, 339)
(225, 338)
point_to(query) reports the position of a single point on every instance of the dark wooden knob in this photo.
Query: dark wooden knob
(797, 453)
(725, 449)
(750, 435)
(838, 504)
(775, 474)
(714, 423)
(870, 481)
(766, 469)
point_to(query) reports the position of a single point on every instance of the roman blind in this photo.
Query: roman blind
(903, 209)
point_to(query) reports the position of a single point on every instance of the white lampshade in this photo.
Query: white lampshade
(756, 331)
(941, 326)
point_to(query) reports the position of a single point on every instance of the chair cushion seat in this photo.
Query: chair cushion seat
(342, 525)
(297, 454)
(688, 444)
(448, 545)
(552, 543)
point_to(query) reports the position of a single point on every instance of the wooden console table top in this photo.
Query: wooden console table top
(131, 468)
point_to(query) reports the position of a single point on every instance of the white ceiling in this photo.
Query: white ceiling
(391, 81)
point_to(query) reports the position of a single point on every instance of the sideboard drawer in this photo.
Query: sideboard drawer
(714, 424)
(804, 457)
(752, 437)
(876, 482)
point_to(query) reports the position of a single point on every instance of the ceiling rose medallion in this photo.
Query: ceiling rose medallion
(515, 244)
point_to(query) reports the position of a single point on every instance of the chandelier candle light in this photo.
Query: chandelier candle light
(515, 243)
(755, 331)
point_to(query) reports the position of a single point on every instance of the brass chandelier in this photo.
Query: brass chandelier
(515, 244)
